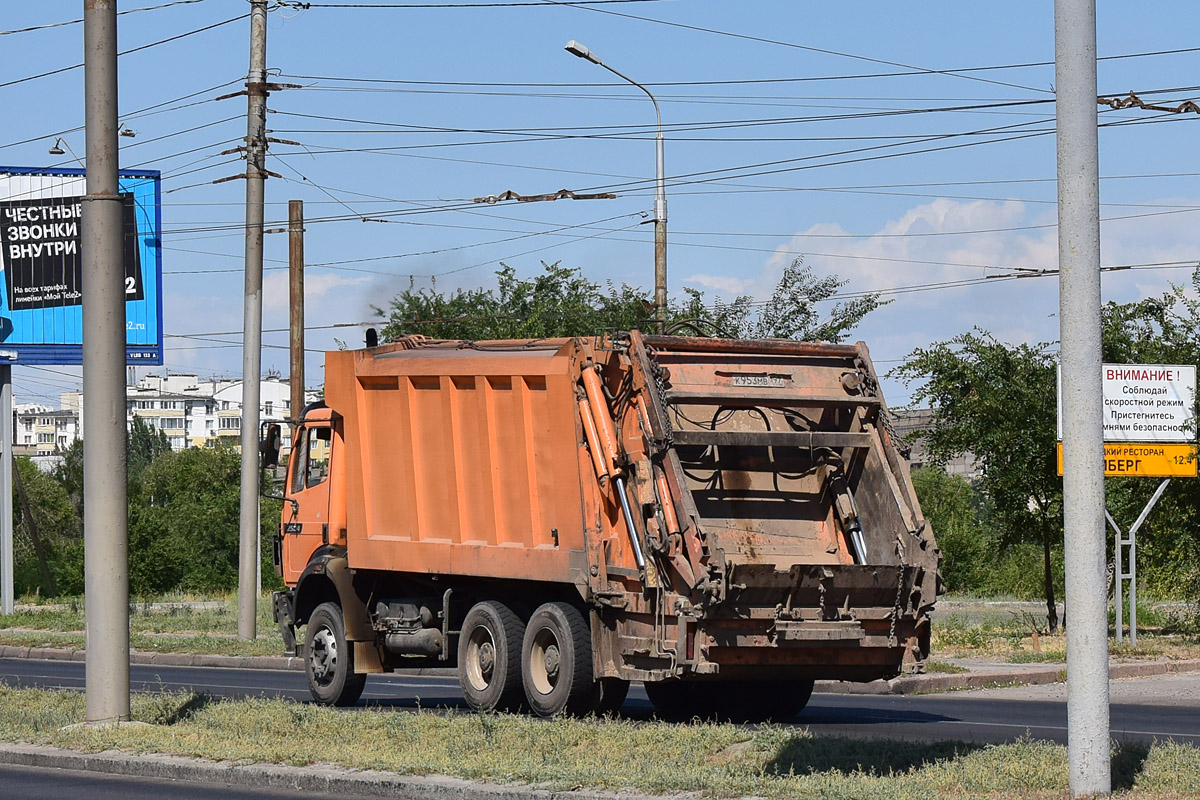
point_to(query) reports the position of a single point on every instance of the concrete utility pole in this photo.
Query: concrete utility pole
(105, 512)
(256, 157)
(296, 307)
(1089, 756)
(660, 189)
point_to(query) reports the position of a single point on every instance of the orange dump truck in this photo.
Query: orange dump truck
(724, 520)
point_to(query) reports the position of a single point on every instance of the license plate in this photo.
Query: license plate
(760, 381)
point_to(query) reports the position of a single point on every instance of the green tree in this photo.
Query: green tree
(952, 508)
(145, 444)
(183, 522)
(68, 472)
(562, 302)
(791, 313)
(59, 532)
(559, 302)
(997, 402)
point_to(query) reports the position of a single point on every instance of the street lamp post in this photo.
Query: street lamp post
(660, 196)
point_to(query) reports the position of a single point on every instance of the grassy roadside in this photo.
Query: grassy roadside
(963, 628)
(717, 760)
(170, 624)
(1012, 633)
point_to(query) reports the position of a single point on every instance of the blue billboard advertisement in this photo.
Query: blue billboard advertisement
(41, 294)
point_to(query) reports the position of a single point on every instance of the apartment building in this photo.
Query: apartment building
(190, 411)
(41, 431)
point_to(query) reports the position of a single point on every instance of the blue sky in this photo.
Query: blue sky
(901, 147)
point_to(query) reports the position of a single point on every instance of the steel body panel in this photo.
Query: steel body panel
(465, 462)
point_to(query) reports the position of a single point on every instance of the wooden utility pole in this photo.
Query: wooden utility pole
(296, 307)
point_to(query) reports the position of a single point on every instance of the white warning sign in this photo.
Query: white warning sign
(1146, 402)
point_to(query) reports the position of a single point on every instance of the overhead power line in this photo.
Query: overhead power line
(138, 49)
(157, 108)
(762, 40)
(304, 6)
(66, 23)
(722, 82)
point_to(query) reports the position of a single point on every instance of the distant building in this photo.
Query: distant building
(191, 412)
(909, 425)
(42, 431)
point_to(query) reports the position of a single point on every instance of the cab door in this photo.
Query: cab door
(306, 523)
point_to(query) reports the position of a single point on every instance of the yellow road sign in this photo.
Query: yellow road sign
(1149, 460)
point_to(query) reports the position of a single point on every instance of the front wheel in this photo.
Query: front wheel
(329, 661)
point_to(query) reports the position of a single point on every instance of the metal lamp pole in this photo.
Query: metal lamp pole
(660, 196)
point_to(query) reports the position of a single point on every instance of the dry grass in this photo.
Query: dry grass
(714, 759)
(965, 630)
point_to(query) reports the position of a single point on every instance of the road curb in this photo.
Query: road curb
(1057, 673)
(325, 779)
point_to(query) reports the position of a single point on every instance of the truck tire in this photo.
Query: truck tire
(329, 659)
(777, 700)
(678, 700)
(781, 700)
(613, 692)
(489, 657)
(733, 701)
(556, 662)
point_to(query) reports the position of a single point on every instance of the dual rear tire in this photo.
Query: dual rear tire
(731, 700)
(489, 657)
(544, 663)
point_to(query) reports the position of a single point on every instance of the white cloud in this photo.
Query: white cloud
(929, 244)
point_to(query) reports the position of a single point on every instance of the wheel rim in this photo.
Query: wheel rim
(322, 660)
(545, 661)
(481, 658)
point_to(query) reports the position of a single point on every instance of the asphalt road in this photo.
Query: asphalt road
(25, 783)
(1143, 709)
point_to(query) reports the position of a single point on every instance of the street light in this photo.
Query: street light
(57, 149)
(660, 197)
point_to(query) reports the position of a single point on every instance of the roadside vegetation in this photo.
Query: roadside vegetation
(1008, 631)
(183, 520)
(964, 627)
(174, 623)
(715, 760)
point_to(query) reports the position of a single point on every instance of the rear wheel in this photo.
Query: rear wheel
(756, 701)
(678, 700)
(556, 662)
(329, 661)
(612, 693)
(489, 657)
(736, 701)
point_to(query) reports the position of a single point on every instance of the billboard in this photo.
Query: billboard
(41, 295)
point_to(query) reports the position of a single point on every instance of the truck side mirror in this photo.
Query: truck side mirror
(269, 446)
